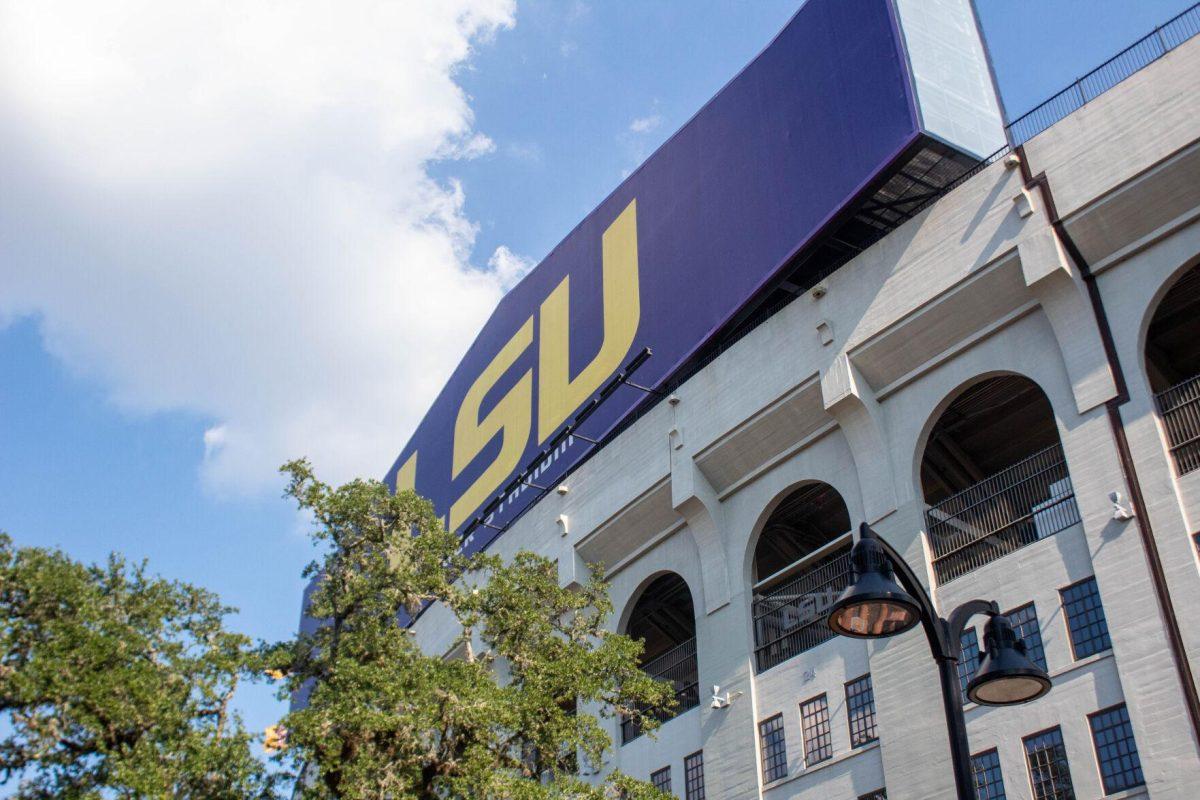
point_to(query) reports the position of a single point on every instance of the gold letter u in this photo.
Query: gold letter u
(558, 394)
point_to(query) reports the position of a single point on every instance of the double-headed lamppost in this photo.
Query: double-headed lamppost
(874, 607)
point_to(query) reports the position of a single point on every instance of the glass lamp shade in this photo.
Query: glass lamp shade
(874, 605)
(1006, 676)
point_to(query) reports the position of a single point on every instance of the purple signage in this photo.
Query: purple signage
(668, 257)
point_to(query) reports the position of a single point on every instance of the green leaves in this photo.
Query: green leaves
(513, 712)
(115, 683)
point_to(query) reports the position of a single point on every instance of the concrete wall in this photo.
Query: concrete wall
(977, 285)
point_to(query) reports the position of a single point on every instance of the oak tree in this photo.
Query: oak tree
(115, 683)
(514, 706)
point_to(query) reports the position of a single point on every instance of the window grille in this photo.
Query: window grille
(1085, 618)
(678, 665)
(693, 776)
(789, 616)
(661, 779)
(989, 781)
(1049, 773)
(814, 723)
(1024, 622)
(1023, 504)
(860, 703)
(774, 749)
(1120, 766)
(1179, 409)
(968, 659)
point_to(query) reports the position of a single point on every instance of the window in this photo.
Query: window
(1085, 618)
(814, 723)
(1120, 767)
(774, 748)
(661, 779)
(878, 794)
(1025, 624)
(989, 782)
(860, 703)
(968, 659)
(693, 776)
(1049, 774)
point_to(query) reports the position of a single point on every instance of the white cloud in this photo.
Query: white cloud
(645, 124)
(225, 208)
(508, 268)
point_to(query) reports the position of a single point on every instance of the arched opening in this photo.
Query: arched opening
(994, 476)
(801, 565)
(1173, 367)
(664, 618)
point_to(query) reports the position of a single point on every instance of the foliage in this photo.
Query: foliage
(497, 716)
(117, 684)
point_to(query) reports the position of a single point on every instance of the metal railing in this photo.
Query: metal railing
(1179, 409)
(1027, 502)
(1140, 54)
(789, 618)
(678, 666)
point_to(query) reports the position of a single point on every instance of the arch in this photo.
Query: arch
(1170, 356)
(663, 617)
(799, 564)
(992, 473)
(801, 521)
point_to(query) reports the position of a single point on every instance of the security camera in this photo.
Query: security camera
(1012, 161)
(722, 700)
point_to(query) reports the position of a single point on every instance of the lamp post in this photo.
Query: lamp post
(874, 607)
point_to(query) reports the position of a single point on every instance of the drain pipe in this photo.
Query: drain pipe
(1158, 578)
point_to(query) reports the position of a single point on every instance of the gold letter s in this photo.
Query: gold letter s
(558, 395)
(511, 415)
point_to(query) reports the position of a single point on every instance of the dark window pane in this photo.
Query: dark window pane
(968, 659)
(878, 794)
(693, 776)
(814, 723)
(989, 783)
(1049, 774)
(1025, 624)
(774, 749)
(661, 779)
(1085, 618)
(1120, 766)
(860, 703)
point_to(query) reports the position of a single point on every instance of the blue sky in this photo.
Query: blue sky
(286, 261)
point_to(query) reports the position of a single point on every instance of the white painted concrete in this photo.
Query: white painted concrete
(844, 390)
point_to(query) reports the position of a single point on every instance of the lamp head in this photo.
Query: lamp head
(1005, 676)
(874, 605)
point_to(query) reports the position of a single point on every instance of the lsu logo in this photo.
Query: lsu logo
(558, 394)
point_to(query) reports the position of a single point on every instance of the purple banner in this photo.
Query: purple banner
(668, 257)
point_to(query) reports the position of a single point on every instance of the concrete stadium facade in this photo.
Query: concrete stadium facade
(1024, 300)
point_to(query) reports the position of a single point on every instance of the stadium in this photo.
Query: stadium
(847, 292)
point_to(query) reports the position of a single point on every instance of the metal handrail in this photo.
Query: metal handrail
(775, 578)
(1179, 410)
(789, 618)
(1088, 87)
(1019, 505)
(679, 666)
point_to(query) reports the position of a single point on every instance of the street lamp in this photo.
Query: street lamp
(875, 606)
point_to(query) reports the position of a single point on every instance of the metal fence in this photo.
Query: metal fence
(678, 666)
(999, 515)
(1179, 409)
(789, 618)
(1137, 56)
